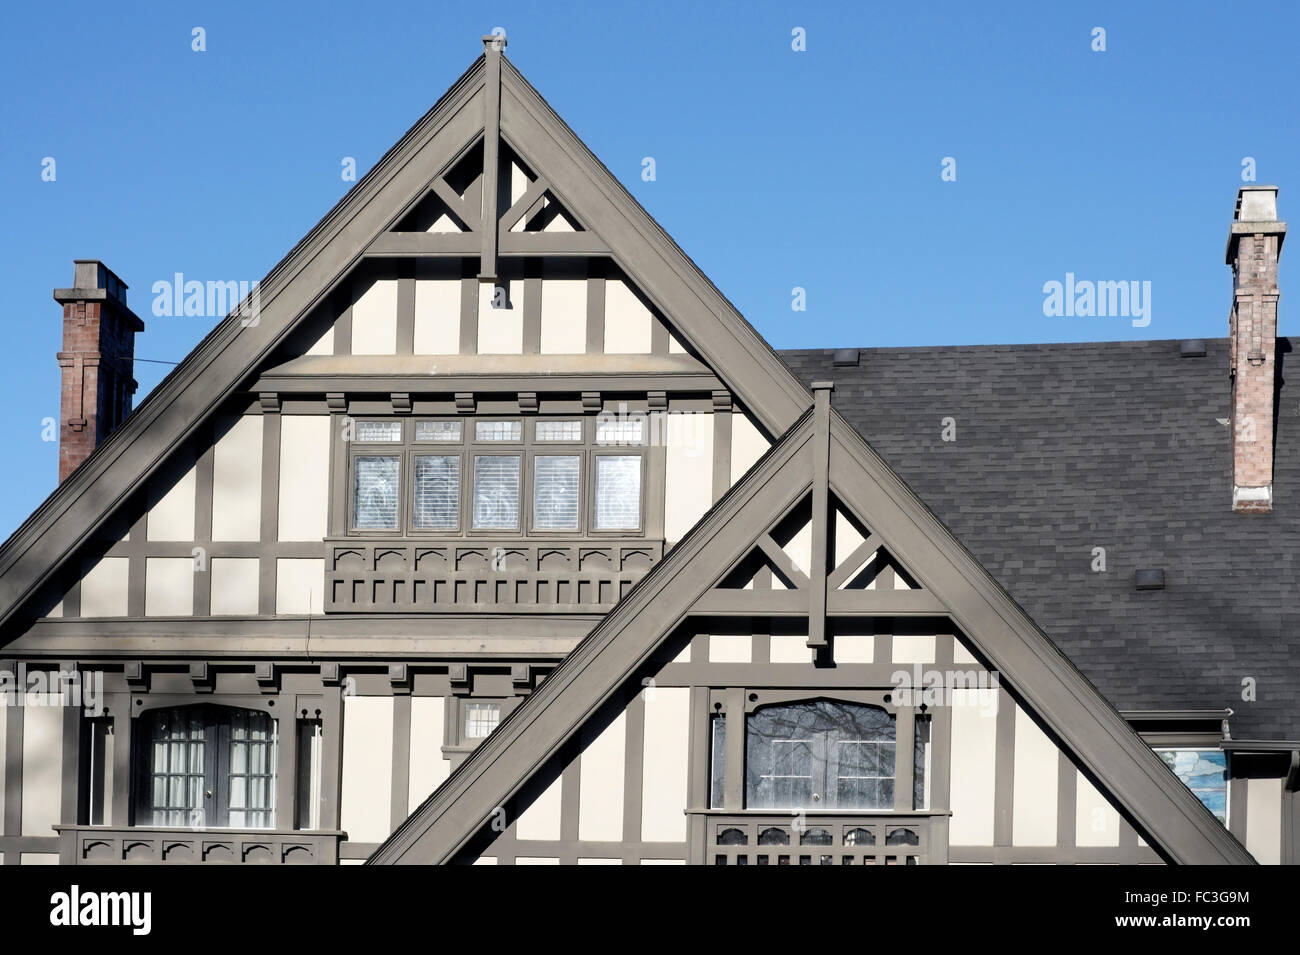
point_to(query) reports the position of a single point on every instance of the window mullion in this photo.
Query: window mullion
(904, 751)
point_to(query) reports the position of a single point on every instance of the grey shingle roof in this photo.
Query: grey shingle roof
(1066, 447)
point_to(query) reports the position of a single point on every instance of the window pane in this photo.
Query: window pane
(496, 491)
(379, 431)
(437, 431)
(921, 763)
(555, 491)
(559, 431)
(618, 492)
(437, 491)
(310, 737)
(481, 719)
(374, 493)
(620, 429)
(497, 430)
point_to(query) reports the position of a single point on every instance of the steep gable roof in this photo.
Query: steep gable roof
(1063, 448)
(1171, 817)
(229, 358)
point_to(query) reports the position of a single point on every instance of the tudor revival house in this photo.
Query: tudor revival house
(498, 536)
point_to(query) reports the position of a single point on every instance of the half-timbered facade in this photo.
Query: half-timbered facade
(494, 534)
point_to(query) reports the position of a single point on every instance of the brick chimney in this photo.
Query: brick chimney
(97, 360)
(1254, 243)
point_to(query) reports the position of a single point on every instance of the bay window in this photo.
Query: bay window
(493, 476)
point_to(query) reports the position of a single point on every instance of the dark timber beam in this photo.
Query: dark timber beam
(459, 245)
(524, 204)
(492, 45)
(455, 204)
(854, 561)
(820, 506)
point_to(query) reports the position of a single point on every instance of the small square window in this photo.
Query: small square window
(497, 430)
(437, 430)
(379, 432)
(559, 431)
(480, 719)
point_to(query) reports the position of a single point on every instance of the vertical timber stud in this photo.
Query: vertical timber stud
(492, 46)
(820, 506)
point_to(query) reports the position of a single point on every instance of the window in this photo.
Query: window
(310, 740)
(480, 719)
(1205, 773)
(437, 492)
(618, 492)
(481, 477)
(555, 491)
(207, 766)
(496, 492)
(822, 754)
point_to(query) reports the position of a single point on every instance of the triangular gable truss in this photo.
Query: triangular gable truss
(737, 533)
(229, 358)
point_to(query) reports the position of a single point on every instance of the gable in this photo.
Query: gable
(581, 213)
(821, 460)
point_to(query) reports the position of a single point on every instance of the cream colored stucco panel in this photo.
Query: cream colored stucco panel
(747, 445)
(564, 316)
(1264, 820)
(501, 330)
(587, 861)
(600, 795)
(663, 862)
(366, 802)
(675, 347)
(171, 518)
(541, 820)
(1096, 823)
(913, 648)
(973, 766)
(428, 767)
(235, 585)
(437, 314)
(789, 648)
(731, 648)
(689, 475)
(536, 860)
(799, 549)
(854, 647)
(374, 320)
(103, 589)
(960, 654)
(169, 587)
(300, 585)
(38, 858)
(1034, 788)
(237, 482)
(42, 763)
(304, 477)
(486, 860)
(627, 321)
(665, 764)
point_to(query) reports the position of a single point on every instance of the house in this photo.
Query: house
(494, 534)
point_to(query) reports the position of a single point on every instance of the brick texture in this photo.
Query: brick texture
(1253, 337)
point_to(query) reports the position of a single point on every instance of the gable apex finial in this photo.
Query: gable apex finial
(495, 41)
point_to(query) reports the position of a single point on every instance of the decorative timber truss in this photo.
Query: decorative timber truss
(820, 528)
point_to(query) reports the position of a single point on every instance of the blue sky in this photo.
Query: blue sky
(818, 169)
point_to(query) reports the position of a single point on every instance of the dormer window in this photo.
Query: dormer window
(575, 476)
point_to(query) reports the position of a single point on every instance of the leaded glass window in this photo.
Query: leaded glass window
(820, 754)
(620, 429)
(496, 492)
(618, 492)
(568, 431)
(497, 430)
(379, 432)
(555, 491)
(437, 430)
(436, 483)
(480, 719)
(1205, 773)
(375, 489)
